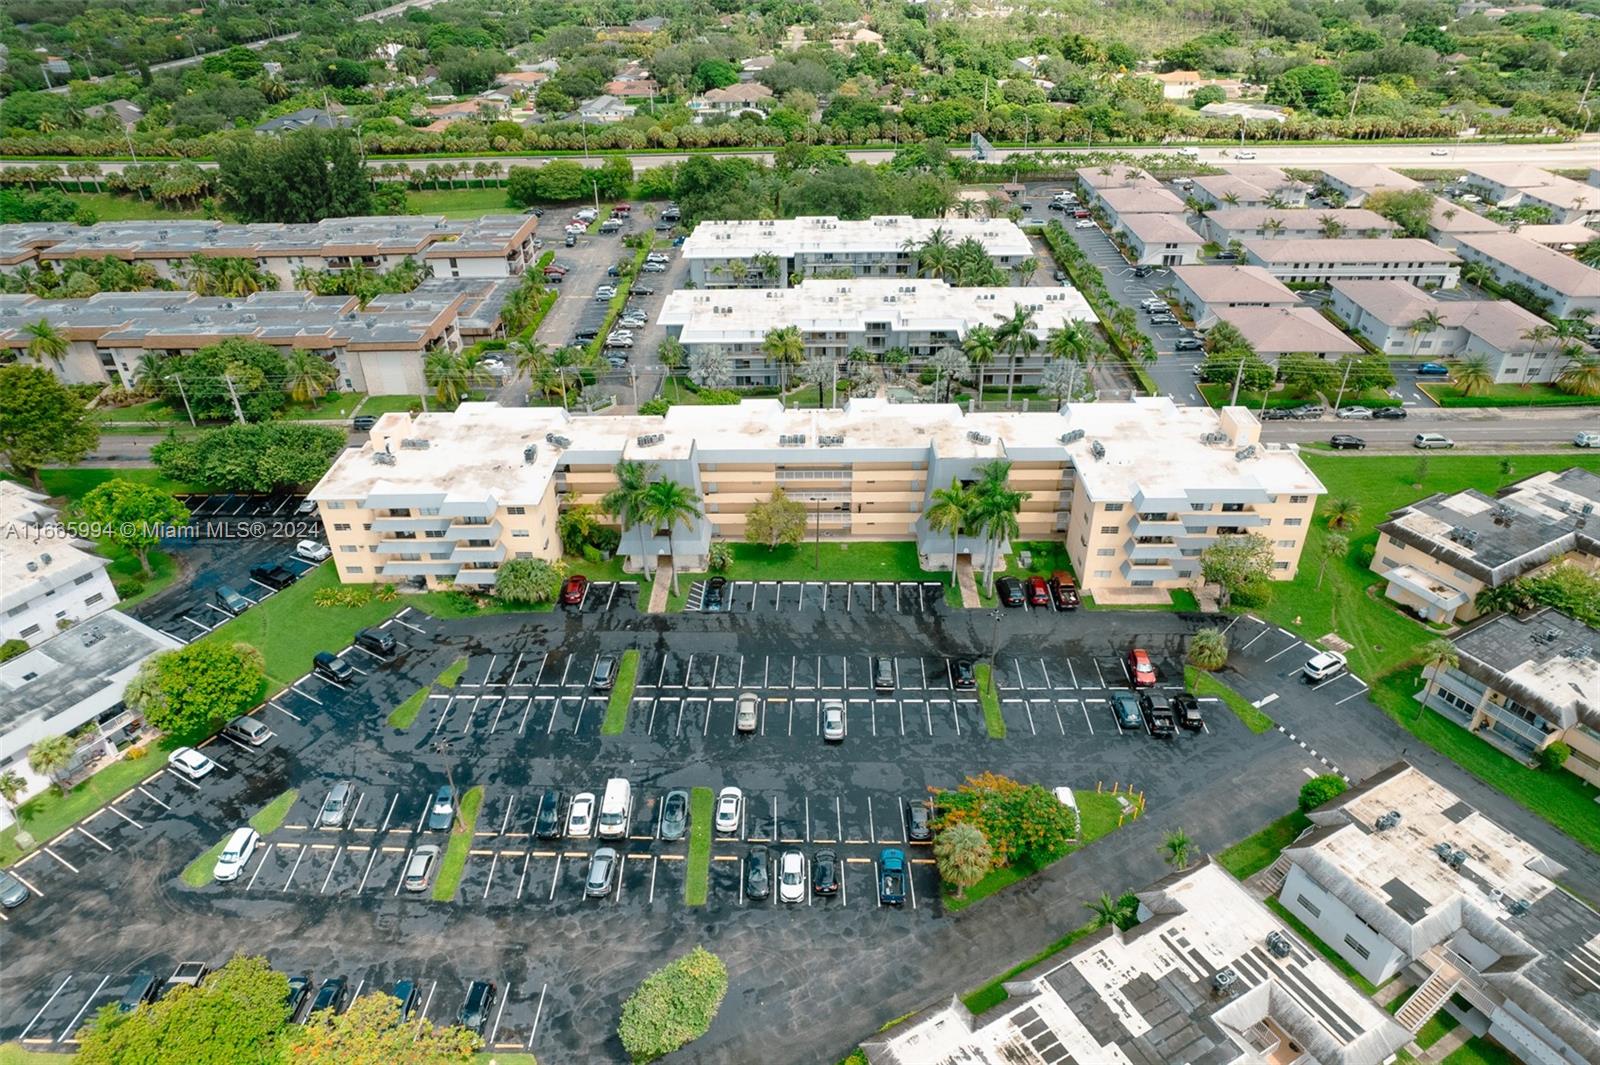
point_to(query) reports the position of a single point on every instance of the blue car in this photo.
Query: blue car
(892, 876)
(1433, 369)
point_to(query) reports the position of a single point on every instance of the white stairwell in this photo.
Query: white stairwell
(1270, 879)
(1427, 1000)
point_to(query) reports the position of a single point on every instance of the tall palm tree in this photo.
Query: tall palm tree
(529, 357)
(151, 375)
(1343, 512)
(45, 341)
(50, 757)
(785, 347)
(669, 502)
(1473, 376)
(981, 343)
(1426, 323)
(626, 502)
(1581, 375)
(1107, 909)
(452, 374)
(1436, 655)
(308, 376)
(1017, 339)
(1329, 226)
(1476, 273)
(994, 512)
(948, 512)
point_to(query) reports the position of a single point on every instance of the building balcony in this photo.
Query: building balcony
(407, 546)
(491, 531)
(1205, 520)
(492, 553)
(1132, 572)
(1138, 552)
(1151, 527)
(415, 525)
(477, 577)
(414, 568)
(1427, 588)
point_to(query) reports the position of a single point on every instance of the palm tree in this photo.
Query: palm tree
(1024, 269)
(1273, 226)
(1436, 655)
(50, 757)
(1426, 323)
(1476, 273)
(1581, 375)
(452, 374)
(45, 341)
(981, 343)
(1016, 338)
(667, 502)
(1330, 226)
(1175, 849)
(948, 512)
(1334, 546)
(151, 375)
(308, 376)
(530, 357)
(1473, 376)
(11, 786)
(626, 502)
(994, 512)
(1107, 909)
(1588, 253)
(1508, 598)
(1208, 649)
(963, 855)
(1343, 513)
(785, 347)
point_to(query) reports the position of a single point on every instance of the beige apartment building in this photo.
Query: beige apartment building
(1136, 490)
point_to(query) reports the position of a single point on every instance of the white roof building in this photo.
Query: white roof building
(1205, 290)
(1566, 283)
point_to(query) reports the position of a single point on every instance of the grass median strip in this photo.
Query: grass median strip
(621, 695)
(698, 879)
(1203, 685)
(270, 817)
(198, 873)
(1255, 852)
(990, 700)
(404, 715)
(455, 852)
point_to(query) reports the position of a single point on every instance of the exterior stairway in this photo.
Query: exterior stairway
(1427, 1000)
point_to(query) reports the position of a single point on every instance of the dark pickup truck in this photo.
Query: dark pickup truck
(1187, 707)
(1158, 717)
(892, 876)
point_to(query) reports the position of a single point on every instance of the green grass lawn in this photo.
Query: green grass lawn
(73, 483)
(1203, 685)
(12, 1054)
(335, 406)
(1479, 1051)
(198, 873)
(1534, 395)
(860, 561)
(990, 700)
(621, 695)
(1255, 852)
(988, 995)
(270, 817)
(459, 203)
(47, 814)
(454, 862)
(1099, 813)
(376, 405)
(1385, 641)
(609, 569)
(697, 878)
(155, 410)
(1331, 956)
(404, 715)
(113, 207)
(1217, 394)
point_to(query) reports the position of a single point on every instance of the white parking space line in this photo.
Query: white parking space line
(72, 1025)
(1353, 695)
(25, 883)
(1285, 651)
(274, 704)
(22, 1037)
(60, 859)
(371, 858)
(537, 1013)
(125, 817)
(300, 856)
(260, 862)
(1256, 637)
(413, 628)
(93, 837)
(338, 852)
(297, 688)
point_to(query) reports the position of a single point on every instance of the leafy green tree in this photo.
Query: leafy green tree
(50, 757)
(673, 1006)
(1568, 588)
(1307, 375)
(1554, 755)
(370, 1032)
(1319, 789)
(715, 74)
(779, 520)
(191, 691)
(1238, 564)
(235, 1017)
(345, 74)
(131, 515)
(1208, 649)
(528, 580)
(1309, 88)
(41, 422)
(250, 458)
(1207, 94)
(670, 503)
(212, 377)
(1024, 823)
(1410, 209)
(963, 855)
(303, 176)
(562, 180)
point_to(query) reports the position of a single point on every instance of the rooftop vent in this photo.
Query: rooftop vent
(1388, 821)
(1213, 439)
(792, 440)
(414, 443)
(1278, 944)
(1246, 452)
(1518, 907)
(33, 567)
(1097, 449)
(383, 458)
(530, 453)
(830, 440)
(1224, 980)
(557, 440)
(649, 439)
(1502, 514)
(45, 558)
(1072, 436)
(978, 438)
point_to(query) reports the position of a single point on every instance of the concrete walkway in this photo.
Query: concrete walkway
(968, 586)
(660, 587)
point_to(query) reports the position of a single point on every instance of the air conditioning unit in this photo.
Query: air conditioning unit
(557, 440)
(1388, 821)
(979, 438)
(649, 439)
(414, 443)
(383, 458)
(792, 440)
(1223, 981)
(1097, 449)
(831, 440)
(1072, 436)
(1278, 944)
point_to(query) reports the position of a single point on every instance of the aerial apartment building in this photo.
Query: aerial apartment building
(766, 253)
(1401, 875)
(917, 316)
(1394, 316)
(1517, 185)
(377, 349)
(1136, 490)
(1354, 182)
(1245, 223)
(1322, 261)
(1569, 286)
(493, 246)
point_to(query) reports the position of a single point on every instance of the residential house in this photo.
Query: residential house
(1203, 291)
(1448, 221)
(1323, 261)
(606, 109)
(1274, 332)
(1119, 203)
(307, 117)
(745, 97)
(1565, 236)
(1514, 185)
(1565, 283)
(126, 112)
(1160, 239)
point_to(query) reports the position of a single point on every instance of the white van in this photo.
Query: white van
(616, 808)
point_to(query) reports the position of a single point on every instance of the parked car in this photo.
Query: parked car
(1346, 442)
(247, 730)
(474, 1012)
(1354, 413)
(363, 422)
(187, 974)
(730, 810)
(13, 892)
(442, 811)
(892, 876)
(1187, 709)
(1433, 369)
(825, 873)
(332, 995)
(332, 667)
(336, 807)
(573, 590)
(1143, 270)
(1158, 715)
(714, 599)
(1125, 709)
(1189, 344)
(605, 673)
(1084, 222)
(1431, 441)
(675, 815)
(1009, 589)
(833, 724)
(757, 873)
(1389, 413)
(580, 815)
(1140, 672)
(1323, 665)
(919, 822)
(405, 993)
(1163, 319)
(654, 268)
(962, 675)
(1439, 151)
(1586, 439)
(605, 292)
(747, 716)
(1038, 592)
(190, 762)
(602, 869)
(274, 577)
(420, 867)
(231, 601)
(377, 642)
(792, 877)
(299, 995)
(144, 988)
(547, 822)
(1064, 588)
(1308, 411)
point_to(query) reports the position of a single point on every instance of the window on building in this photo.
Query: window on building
(1280, 565)
(1106, 552)
(1285, 543)
(1298, 499)
(519, 534)
(1308, 906)
(1294, 521)
(93, 599)
(1112, 508)
(333, 504)
(516, 510)
(31, 630)
(1102, 573)
(354, 569)
(349, 549)
(1110, 530)
(341, 527)
(1350, 942)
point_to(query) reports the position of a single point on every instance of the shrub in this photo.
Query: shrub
(11, 649)
(529, 580)
(718, 397)
(674, 1005)
(347, 595)
(1318, 790)
(591, 553)
(720, 557)
(1024, 823)
(657, 406)
(1208, 649)
(1553, 756)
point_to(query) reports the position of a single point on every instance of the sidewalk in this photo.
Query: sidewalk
(969, 587)
(660, 587)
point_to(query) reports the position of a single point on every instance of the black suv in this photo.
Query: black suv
(1009, 589)
(883, 673)
(376, 641)
(1187, 707)
(962, 675)
(145, 988)
(331, 995)
(825, 873)
(362, 422)
(299, 995)
(333, 667)
(548, 824)
(715, 599)
(274, 577)
(474, 1012)
(757, 873)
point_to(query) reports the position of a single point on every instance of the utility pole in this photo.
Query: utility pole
(1238, 375)
(233, 394)
(633, 380)
(185, 397)
(1348, 364)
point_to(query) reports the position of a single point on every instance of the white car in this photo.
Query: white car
(1440, 152)
(730, 808)
(1357, 413)
(312, 551)
(1323, 665)
(580, 815)
(190, 762)
(620, 342)
(654, 268)
(604, 292)
(792, 877)
(1586, 440)
(1084, 223)
(1244, 153)
(833, 720)
(235, 853)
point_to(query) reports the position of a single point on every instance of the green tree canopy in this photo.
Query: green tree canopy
(673, 1006)
(233, 1018)
(256, 372)
(303, 176)
(41, 421)
(1309, 88)
(193, 690)
(1238, 564)
(370, 1033)
(131, 514)
(1319, 789)
(1024, 823)
(779, 520)
(250, 458)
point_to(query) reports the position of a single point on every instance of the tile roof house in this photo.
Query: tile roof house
(1567, 284)
(1393, 316)
(1204, 290)
(1277, 331)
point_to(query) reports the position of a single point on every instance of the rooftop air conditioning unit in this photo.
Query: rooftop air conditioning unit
(1518, 908)
(556, 440)
(414, 443)
(530, 454)
(1278, 944)
(1072, 436)
(830, 440)
(1097, 449)
(1388, 821)
(383, 458)
(792, 440)
(1223, 981)
(1246, 452)
(977, 437)
(649, 439)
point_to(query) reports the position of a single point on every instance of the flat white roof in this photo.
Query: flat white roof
(816, 235)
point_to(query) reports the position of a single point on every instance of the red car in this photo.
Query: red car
(1066, 590)
(572, 591)
(1038, 592)
(1140, 669)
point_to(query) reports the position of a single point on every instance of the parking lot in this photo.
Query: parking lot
(757, 597)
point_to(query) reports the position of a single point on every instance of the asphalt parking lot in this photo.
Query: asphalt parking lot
(228, 535)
